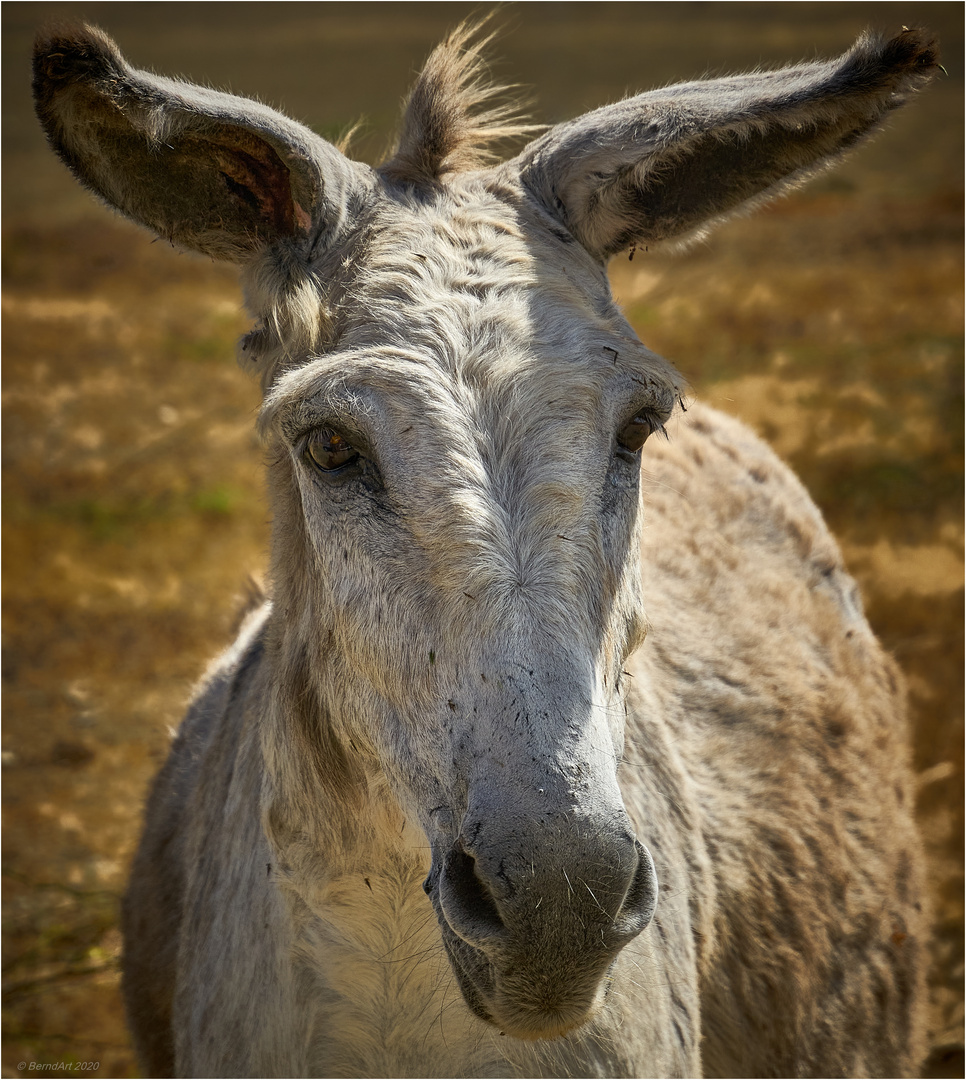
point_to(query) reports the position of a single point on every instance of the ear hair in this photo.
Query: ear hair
(667, 164)
(208, 171)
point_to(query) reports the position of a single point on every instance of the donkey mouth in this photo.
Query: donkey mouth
(517, 999)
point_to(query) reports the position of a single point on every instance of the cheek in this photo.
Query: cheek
(358, 548)
(620, 507)
(622, 555)
(368, 601)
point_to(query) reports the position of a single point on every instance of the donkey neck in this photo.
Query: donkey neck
(366, 946)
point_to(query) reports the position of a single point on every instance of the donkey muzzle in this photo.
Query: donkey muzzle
(533, 923)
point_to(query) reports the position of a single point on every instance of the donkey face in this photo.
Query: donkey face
(457, 413)
(466, 453)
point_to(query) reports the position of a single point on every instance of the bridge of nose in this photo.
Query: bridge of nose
(543, 819)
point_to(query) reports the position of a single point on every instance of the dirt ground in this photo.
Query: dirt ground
(133, 511)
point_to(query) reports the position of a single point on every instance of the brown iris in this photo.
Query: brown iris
(329, 450)
(634, 433)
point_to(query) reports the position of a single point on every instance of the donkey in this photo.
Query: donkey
(440, 810)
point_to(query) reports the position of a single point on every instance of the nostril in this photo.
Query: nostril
(640, 901)
(467, 902)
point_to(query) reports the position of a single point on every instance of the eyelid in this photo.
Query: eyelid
(357, 441)
(656, 419)
(298, 423)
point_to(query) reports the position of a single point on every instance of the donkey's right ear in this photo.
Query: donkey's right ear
(208, 171)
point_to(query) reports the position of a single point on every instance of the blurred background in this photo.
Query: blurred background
(133, 508)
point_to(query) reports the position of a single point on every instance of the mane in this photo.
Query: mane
(452, 116)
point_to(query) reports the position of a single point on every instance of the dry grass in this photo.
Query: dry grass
(133, 509)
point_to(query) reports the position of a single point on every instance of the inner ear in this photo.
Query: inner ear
(254, 175)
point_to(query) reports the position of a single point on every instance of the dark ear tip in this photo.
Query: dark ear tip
(71, 50)
(916, 49)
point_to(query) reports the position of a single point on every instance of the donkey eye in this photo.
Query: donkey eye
(330, 451)
(634, 433)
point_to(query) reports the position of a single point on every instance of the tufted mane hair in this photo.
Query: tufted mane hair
(453, 114)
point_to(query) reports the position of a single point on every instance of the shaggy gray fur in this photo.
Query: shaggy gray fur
(441, 810)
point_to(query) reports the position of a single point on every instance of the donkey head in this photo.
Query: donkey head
(457, 413)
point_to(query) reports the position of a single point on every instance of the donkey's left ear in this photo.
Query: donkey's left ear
(665, 164)
(209, 171)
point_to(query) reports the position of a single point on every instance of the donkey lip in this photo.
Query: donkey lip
(474, 973)
(481, 985)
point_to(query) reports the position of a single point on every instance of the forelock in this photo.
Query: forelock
(454, 115)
